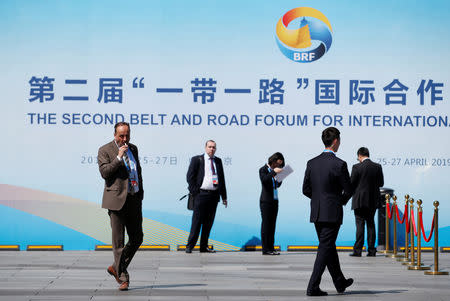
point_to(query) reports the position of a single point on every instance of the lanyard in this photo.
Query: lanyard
(273, 180)
(275, 191)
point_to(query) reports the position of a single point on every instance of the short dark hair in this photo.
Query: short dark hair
(329, 134)
(122, 123)
(210, 140)
(363, 151)
(275, 157)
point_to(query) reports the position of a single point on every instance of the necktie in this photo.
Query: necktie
(127, 163)
(214, 175)
(212, 166)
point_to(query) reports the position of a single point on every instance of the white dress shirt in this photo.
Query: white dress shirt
(207, 183)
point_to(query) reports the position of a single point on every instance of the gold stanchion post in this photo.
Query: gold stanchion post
(386, 250)
(436, 244)
(419, 265)
(394, 217)
(405, 258)
(411, 231)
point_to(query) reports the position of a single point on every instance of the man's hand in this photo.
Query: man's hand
(225, 203)
(277, 169)
(122, 150)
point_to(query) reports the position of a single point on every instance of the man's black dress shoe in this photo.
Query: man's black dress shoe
(207, 250)
(347, 283)
(268, 253)
(316, 293)
(371, 254)
(275, 253)
(355, 254)
(189, 251)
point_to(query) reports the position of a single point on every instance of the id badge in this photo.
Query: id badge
(275, 194)
(215, 180)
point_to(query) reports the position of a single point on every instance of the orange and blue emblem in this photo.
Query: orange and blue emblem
(310, 41)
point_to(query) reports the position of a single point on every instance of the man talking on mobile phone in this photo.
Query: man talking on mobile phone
(119, 166)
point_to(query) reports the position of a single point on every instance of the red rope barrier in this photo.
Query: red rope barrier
(405, 215)
(389, 212)
(423, 231)
(407, 226)
(413, 223)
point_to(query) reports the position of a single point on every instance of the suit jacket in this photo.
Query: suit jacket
(116, 176)
(267, 185)
(327, 184)
(367, 178)
(196, 173)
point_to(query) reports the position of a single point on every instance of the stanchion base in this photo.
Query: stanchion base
(395, 256)
(403, 259)
(436, 273)
(419, 268)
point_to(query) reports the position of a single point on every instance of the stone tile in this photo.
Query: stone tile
(70, 275)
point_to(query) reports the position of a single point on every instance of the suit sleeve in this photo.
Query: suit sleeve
(107, 166)
(191, 176)
(354, 177)
(307, 190)
(381, 177)
(223, 190)
(266, 177)
(139, 170)
(346, 184)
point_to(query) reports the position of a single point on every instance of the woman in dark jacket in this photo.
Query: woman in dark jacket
(268, 201)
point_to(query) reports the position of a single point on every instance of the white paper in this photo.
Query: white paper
(287, 170)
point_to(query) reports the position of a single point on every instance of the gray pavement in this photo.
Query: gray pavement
(81, 275)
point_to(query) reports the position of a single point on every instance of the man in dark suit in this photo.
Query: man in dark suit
(119, 165)
(206, 181)
(327, 184)
(367, 178)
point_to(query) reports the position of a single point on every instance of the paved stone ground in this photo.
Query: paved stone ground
(82, 275)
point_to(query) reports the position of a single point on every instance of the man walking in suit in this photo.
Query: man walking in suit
(327, 184)
(119, 165)
(367, 178)
(206, 181)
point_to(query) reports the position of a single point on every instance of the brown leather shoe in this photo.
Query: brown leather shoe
(113, 273)
(124, 286)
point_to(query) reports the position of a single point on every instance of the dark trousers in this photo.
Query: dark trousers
(269, 212)
(327, 256)
(205, 206)
(363, 216)
(129, 218)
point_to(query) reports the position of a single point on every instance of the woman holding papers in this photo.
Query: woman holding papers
(268, 201)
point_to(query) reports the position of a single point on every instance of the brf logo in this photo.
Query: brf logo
(305, 42)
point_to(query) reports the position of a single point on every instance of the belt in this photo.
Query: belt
(209, 191)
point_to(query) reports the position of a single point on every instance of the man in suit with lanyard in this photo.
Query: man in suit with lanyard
(206, 181)
(119, 165)
(367, 178)
(327, 184)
